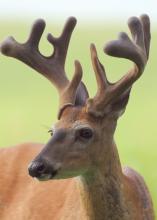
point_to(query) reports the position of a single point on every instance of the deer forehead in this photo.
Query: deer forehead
(75, 118)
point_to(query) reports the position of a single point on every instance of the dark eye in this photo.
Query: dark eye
(50, 132)
(86, 133)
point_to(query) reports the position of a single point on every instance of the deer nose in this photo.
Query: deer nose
(37, 168)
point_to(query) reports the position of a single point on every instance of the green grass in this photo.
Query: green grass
(29, 102)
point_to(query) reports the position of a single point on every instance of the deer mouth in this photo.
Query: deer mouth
(47, 176)
(44, 177)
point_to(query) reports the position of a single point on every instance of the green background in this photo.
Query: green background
(29, 102)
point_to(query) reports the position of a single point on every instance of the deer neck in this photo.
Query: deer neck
(102, 190)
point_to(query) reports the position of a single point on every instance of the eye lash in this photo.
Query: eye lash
(50, 131)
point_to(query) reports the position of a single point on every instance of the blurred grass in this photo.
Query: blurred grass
(29, 102)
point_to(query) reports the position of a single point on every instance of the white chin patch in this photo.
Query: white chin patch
(44, 177)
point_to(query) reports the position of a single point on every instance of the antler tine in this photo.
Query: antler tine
(61, 44)
(136, 30)
(36, 33)
(51, 67)
(94, 104)
(146, 30)
(99, 70)
(69, 93)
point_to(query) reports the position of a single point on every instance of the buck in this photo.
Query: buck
(81, 158)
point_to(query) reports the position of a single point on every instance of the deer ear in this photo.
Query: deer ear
(119, 105)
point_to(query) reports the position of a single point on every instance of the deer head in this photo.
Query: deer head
(81, 138)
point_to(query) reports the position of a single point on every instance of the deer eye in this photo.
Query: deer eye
(86, 133)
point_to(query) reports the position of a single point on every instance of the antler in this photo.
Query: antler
(136, 50)
(52, 67)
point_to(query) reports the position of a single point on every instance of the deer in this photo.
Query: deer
(79, 171)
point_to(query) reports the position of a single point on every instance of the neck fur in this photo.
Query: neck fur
(102, 190)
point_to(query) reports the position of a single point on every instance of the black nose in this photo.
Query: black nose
(37, 168)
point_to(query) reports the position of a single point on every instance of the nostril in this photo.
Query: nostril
(35, 169)
(41, 168)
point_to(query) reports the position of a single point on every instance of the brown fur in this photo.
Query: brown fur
(82, 149)
(24, 198)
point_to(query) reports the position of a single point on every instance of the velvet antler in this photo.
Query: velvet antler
(52, 67)
(136, 50)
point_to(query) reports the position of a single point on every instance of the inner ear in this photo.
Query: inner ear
(120, 103)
